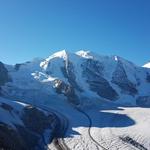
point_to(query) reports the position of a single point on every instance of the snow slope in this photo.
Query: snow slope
(104, 98)
(147, 65)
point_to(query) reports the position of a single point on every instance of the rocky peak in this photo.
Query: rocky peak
(4, 77)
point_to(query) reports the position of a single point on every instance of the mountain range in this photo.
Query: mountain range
(65, 82)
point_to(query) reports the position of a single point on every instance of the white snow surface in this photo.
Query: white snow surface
(147, 65)
(110, 121)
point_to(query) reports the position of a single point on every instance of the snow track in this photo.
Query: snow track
(89, 129)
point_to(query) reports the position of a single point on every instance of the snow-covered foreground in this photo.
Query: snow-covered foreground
(100, 126)
(110, 127)
(106, 126)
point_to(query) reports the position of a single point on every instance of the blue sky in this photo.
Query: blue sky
(37, 28)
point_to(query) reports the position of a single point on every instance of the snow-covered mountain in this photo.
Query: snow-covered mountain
(147, 65)
(78, 75)
(92, 98)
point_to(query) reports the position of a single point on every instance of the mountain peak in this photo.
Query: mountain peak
(60, 54)
(147, 65)
(63, 54)
(85, 54)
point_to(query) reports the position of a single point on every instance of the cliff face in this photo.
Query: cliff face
(4, 77)
(120, 78)
(22, 127)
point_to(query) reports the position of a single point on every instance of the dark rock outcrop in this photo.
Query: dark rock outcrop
(63, 88)
(6, 107)
(17, 139)
(30, 134)
(10, 139)
(143, 101)
(120, 78)
(69, 73)
(93, 72)
(148, 77)
(134, 143)
(35, 120)
(17, 66)
(4, 77)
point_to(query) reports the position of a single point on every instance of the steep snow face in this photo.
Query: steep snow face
(53, 65)
(61, 54)
(77, 75)
(147, 65)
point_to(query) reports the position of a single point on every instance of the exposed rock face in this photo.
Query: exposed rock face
(20, 139)
(10, 139)
(4, 77)
(29, 140)
(148, 77)
(28, 135)
(120, 78)
(17, 66)
(143, 101)
(35, 120)
(63, 88)
(95, 66)
(133, 142)
(6, 107)
(69, 73)
(92, 71)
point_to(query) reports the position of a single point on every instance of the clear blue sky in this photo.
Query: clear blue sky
(37, 28)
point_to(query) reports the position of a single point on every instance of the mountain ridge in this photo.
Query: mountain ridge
(82, 74)
(93, 100)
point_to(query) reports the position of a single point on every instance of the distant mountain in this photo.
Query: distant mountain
(77, 75)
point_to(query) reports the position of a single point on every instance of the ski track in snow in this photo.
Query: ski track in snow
(89, 129)
(105, 138)
(109, 136)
